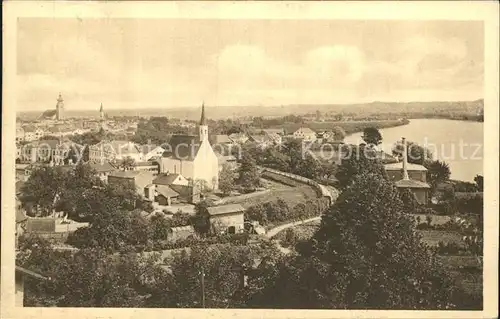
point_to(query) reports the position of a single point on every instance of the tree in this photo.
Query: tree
(372, 136)
(223, 267)
(365, 255)
(338, 133)
(248, 173)
(478, 179)
(43, 189)
(416, 154)
(360, 160)
(410, 203)
(437, 172)
(226, 180)
(127, 163)
(201, 219)
(87, 278)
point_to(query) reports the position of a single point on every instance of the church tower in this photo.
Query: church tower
(60, 108)
(102, 116)
(203, 125)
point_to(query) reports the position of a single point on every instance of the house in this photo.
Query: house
(170, 186)
(103, 170)
(192, 156)
(137, 179)
(220, 139)
(114, 151)
(227, 218)
(238, 138)
(151, 150)
(227, 160)
(55, 151)
(150, 166)
(171, 179)
(306, 134)
(262, 140)
(278, 131)
(164, 194)
(415, 171)
(418, 186)
(20, 276)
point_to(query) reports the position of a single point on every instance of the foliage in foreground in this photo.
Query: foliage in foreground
(365, 255)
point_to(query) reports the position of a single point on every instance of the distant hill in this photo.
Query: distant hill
(220, 112)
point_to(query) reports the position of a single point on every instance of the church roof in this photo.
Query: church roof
(183, 147)
(48, 115)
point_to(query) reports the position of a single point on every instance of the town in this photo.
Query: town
(239, 213)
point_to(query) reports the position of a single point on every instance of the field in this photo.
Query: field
(291, 195)
(433, 237)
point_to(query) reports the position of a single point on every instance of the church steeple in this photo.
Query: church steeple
(101, 112)
(202, 120)
(203, 125)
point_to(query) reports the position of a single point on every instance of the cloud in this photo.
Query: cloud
(127, 68)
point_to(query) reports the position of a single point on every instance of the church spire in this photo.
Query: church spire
(101, 109)
(203, 125)
(202, 120)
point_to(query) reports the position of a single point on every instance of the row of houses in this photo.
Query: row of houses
(29, 133)
(274, 136)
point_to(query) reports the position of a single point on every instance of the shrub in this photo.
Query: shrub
(291, 238)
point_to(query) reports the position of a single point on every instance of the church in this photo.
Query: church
(192, 156)
(57, 114)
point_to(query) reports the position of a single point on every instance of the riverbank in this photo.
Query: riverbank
(350, 127)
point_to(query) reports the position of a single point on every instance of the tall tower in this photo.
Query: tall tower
(102, 116)
(60, 108)
(203, 125)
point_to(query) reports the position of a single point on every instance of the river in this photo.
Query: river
(458, 143)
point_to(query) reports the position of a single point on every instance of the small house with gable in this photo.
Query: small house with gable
(227, 218)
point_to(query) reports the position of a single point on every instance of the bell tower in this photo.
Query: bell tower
(60, 108)
(203, 131)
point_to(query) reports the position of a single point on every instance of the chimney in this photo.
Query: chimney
(405, 160)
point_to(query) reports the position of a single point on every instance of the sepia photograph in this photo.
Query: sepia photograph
(261, 161)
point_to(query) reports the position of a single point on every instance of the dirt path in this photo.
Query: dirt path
(274, 231)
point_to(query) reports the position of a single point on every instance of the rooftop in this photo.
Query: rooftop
(183, 147)
(410, 183)
(165, 179)
(102, 168)
(225, 209)
(166, 191)
(409, 166)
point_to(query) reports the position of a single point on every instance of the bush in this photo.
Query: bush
(236, 239)
(291, 238)
(426, 211)
(449, 249)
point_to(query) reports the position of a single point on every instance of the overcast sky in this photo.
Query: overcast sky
(127, 63)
